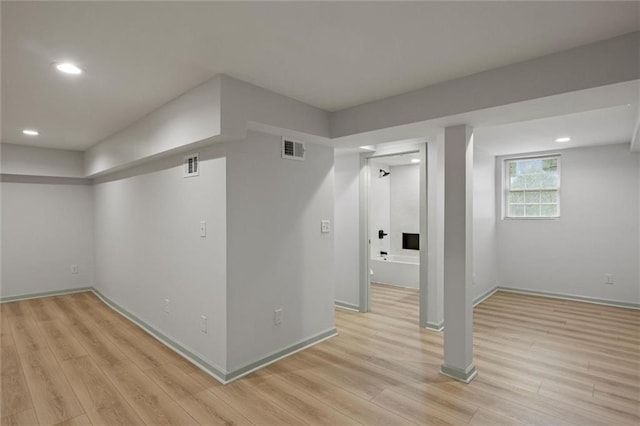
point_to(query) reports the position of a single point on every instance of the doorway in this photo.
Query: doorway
(393, 211)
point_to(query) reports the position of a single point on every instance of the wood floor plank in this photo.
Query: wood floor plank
(14, 393)
(26, 334)
(303, 405)
(45, 310)
(61, 342)
(76, 421)
(348, 403)
(119, 413)
(151, 403)
(53, 399)
(418, 412)
(17, 309)
(208, 409)
(486, 417)
(95, 391)
(23, 418)
(6, 338)
(255, 405)
(97, 345)
(174, 381)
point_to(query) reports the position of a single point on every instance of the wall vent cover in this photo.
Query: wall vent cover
(191, 166)
(292, 149)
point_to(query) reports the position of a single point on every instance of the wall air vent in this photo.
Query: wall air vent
(191, 166)
(292, 149)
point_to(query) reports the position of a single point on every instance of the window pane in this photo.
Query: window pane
(533, 185)
(549, 181)
(532, 210)
(517, 182)
(550, 165)
(533, 181)
(532, 197)
(549, 196)
(549, 210)
(516, 211)
(516, 197)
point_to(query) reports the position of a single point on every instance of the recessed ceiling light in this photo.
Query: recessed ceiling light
(68, 68)
(563, 139)
(415, 160)
(30, 132)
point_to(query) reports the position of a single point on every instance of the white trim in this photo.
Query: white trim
(574, 298)
(484, 296)
(30, 296)
(434, 327)
(277, 356)
(346, 305)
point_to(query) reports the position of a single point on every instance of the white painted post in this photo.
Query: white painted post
(434, 315)
(458, 254)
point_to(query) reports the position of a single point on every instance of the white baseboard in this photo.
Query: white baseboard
(44, 294)
(575, 298)
(346, 305)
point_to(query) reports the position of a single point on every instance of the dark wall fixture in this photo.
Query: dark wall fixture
(410, 241)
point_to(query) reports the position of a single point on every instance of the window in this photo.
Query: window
(532, 187)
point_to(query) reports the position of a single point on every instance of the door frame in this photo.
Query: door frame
(365, 243)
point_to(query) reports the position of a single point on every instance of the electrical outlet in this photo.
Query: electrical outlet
(608, 279)
(203, 229)
(203, 324)
(277, 316)
(74, 269)
(166, 305)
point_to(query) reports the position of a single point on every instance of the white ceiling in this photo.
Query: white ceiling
(598, 127)
(139, 55)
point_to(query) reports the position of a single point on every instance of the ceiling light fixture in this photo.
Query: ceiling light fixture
(30, 132)
(68, 68)
(563, 139)
(415, 160)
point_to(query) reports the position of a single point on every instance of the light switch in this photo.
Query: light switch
(325, 226)
(203, 228)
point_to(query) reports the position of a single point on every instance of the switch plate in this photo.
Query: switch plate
(74, 269)
(166, 306)
(203, 229)
(325, 226)
(203, 324)
(608, 279)
(277, 316)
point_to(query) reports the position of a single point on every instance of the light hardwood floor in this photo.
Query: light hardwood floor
(72, 360)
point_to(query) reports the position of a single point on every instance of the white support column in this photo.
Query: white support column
(434, 315)
(458, 254)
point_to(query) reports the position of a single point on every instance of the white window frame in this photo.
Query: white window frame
(506, 186)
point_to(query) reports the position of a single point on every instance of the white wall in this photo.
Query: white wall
(191, 117)
(596, 234)
(47, 221)
(485, 267)
(346, 226)
(46, 228)
(278, 259)
(148, 249)
(379, 207)
(405, 206)
(27, 160)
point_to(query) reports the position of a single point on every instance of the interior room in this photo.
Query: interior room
(320, 212)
